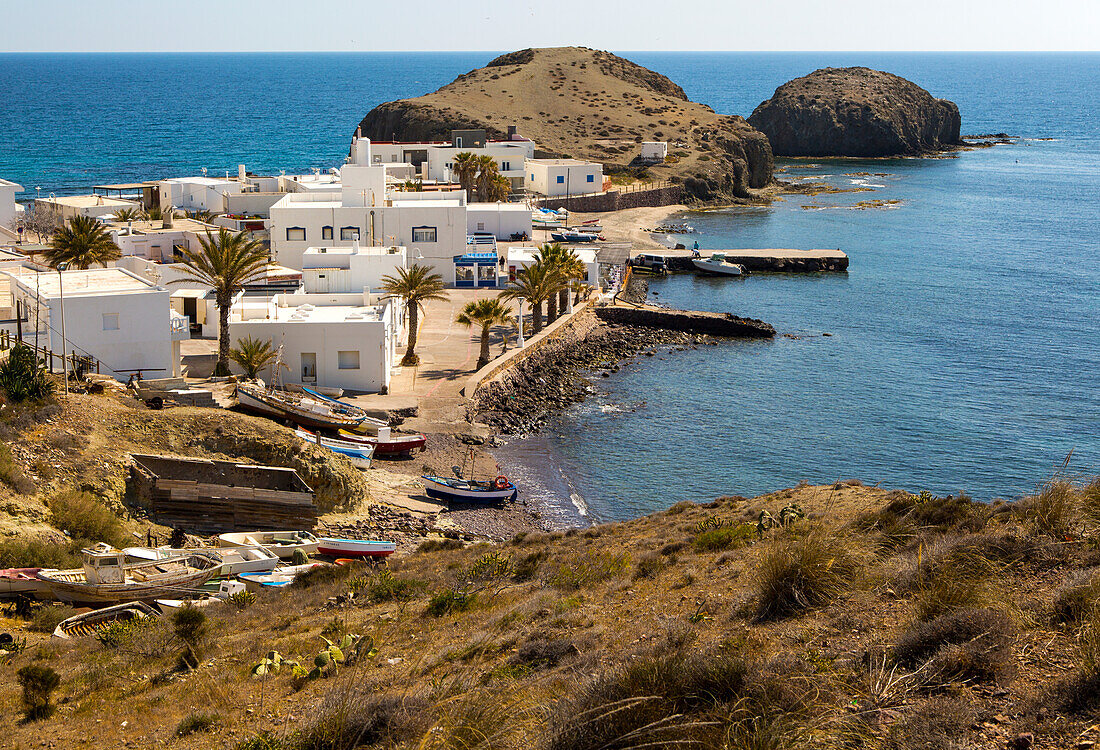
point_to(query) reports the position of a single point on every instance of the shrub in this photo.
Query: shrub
(435, 545)
(451, 600)
(589, 568)
(1090, 500)
(907, 514)
(38, 684)
(650, 566)
(385, 587)
(1078, 600)
(961, 581)
(490, 566)
(85, 517)
(325, 575)
(12, 474)
(939, 724)
(727, 537)
(966, 645)
(528, 565)
(23, 377)
(541, 651)
(18, 552)
(807, 572)
(190, 626)
(362, 719)
(47, 617)
(1056, 510)
(197, 721)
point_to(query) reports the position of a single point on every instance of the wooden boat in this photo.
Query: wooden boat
(308, 409)
(355, 547)
(15, 582)
(359, 454)
(90, 623)
(717, 265)
(282, 544)
(106, 577)
(569, 235)
(386, 442)
(468, 491)
(234, 560)
(278, 578)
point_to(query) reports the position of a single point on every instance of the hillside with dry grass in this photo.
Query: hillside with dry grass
(590, 104)
(835, 616)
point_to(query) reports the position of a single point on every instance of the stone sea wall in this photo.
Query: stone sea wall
(617, 200)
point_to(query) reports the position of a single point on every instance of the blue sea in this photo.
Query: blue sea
(965, 340)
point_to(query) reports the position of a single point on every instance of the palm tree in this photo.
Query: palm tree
(253, 355)
(533, 284)
(466, 169)
(568, 266)
(485, 313)
(83, 243)
(127, 214)
(206, 217)
(226, 262)
(487, 174)
(415, 286)
(499, 189)
(153, 213)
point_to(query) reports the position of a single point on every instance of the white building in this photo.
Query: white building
(557, 177)
(198, 193)
(352, 269)
(10, 211)
(505, 221)
(654, 151)
(434, 160)
(432, 225)
(344, 341)
(121, 320)
(61, 210)
(154, 241)
(522, 257)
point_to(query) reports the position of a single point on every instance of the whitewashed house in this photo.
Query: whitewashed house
(10, 210)
(119, 319)
(198, 193)
(504, 221)
(519, 258)
(434, 160)
(60, 210)
(350, 269)
(654, 151)
(558, 177)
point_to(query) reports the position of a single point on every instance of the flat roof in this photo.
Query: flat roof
(348, 250)
(9, 183)
(201, 180)
(434, 203)
(308, 313)
(156, 227)
(563, 162)
(124, 186)
(87, 283)
(498, 207)
(87, 201)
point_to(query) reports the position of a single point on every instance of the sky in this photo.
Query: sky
(447, 25)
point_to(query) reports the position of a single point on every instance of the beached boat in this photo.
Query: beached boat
(386, 442)
(359, 454)
(282, 544)
(234, 560)
(459, 490)
(355, 547)
(107, 578)
(569, 235)
(717, 265)
(306, 409)
(257, 582)
(90, 623)
(16, 582)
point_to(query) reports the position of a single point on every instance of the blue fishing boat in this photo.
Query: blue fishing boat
(460, 490)
(360, 454)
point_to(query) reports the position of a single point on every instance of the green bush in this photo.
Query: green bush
(38, 684)
(449, 601)
(85, 517)
(589, 568)
(12, 474)
(23, 377)
(434, 545)
(197, 721)
(190, 626)
(47, 617)
(385, 587)
(726, 537)
(968, 645)
(808, 572)
(19, 552)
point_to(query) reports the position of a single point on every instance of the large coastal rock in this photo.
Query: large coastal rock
(589, 104)
(856, 112)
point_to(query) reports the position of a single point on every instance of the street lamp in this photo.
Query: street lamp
(64, 344)
(519, 338)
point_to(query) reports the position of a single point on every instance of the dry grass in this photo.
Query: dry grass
(807, 572)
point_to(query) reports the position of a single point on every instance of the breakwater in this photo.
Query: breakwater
(687, 321)
(771, 261)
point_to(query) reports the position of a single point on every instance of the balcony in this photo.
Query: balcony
(180, 326)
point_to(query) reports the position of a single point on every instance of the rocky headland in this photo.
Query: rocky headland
(589, 104)
(856, 112)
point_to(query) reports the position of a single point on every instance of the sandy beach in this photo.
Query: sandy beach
(630, 225)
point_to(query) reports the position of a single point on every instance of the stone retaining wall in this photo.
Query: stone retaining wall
(617, 200)
(688, 321)
(753, 264)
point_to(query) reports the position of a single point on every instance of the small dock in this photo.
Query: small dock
(689, 321)
(769, 260)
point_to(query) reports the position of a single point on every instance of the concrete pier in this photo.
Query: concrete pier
(688, 321)
(768, 260)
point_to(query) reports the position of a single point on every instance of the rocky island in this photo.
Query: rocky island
(589, 104)
(856, 112)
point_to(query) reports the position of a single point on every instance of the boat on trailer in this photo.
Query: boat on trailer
(90, 623)
(282, 544)
(717, 265)
(335, 547)
(308, 409)
(570, 235)
(360, 454)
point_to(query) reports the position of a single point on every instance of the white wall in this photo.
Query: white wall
(8, 207)
(345, 270)
(502, 220)
(654, 150)
(197, 194)
(550, 179)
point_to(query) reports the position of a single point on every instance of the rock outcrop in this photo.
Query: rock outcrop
(856, 112)
(590, 104)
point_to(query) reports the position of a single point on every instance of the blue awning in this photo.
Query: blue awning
(475, 258)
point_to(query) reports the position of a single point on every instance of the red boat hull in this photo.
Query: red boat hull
(342, 552)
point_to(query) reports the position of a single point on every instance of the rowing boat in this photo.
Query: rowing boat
(308, 409)
(282, 544)
(359, 454)
(90, 623)
(355, 547)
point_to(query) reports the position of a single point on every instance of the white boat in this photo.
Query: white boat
(570, 235)
(467, 491)
(90, 623)
(107, 578)
(278, 578)
(360, 454)
(16, 582)
(306, 409)
(717, 265)
(355, 547)
(283, 544)
(234, 560)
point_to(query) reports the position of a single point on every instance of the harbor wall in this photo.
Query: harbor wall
(617, 200)
(687, 321)
(768, 263)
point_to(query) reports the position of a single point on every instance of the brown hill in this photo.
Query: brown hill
(589, 104)
(856, 112)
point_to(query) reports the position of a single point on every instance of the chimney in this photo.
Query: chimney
(241, 173)
(512, 132)
(355, 243)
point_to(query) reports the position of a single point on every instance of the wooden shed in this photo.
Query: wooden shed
(212, 497)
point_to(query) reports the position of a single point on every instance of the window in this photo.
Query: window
(110, 321)
(423, 234)
(481, 226)
(532, 177)
(505, 166)
(296, 234)
(326, 233)
(561, 179)
(349, 233)
(347, 360)
(458, 142)
(591, 178)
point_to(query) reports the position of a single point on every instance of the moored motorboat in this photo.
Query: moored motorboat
(234, 560)
(717, 265)
(107, 578)
(569, 235)
(282, 544)
(459, 490)
(387, 442)
(90, 623)
(306, 409)
(16, 582)
(360, 454)
(355, 547)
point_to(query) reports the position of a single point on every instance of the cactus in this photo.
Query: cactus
(273, 663)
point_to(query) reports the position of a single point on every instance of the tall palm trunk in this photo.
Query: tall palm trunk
(224, 303)
(484, 358)
(536, 317)
(410, 352)
(563, 298)
(551, 308)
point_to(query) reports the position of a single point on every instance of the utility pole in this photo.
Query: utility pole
(64, 344)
